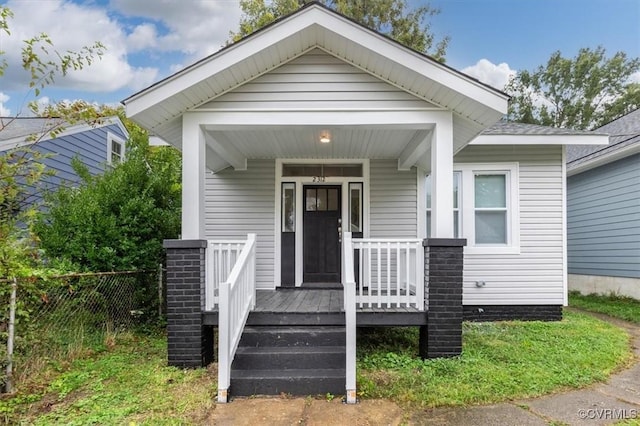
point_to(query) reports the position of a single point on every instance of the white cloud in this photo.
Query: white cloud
(72, 26)
(635, 77)
(489, 73)
(144, 36)
(4, 112)
(198, 30)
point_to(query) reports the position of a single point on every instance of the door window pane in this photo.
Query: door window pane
(310, 199)
(332, 199)
(288, 207)
(322, 199)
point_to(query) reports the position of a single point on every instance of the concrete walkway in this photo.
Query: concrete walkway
(600, 404)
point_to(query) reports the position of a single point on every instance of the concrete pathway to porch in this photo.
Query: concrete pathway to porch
(600, 404)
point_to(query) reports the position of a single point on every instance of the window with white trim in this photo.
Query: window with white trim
(115, 149)
(486, 207)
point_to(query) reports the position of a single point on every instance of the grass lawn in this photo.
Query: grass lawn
(621, 307)
(500, 361)
(126, 380)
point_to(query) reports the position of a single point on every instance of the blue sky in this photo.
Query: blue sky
(490, 39)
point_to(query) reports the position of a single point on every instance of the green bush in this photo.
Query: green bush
(117, 221)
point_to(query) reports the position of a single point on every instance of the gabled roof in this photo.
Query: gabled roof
(624, 140)
(159, 108)
(21, 131)
(505, 132)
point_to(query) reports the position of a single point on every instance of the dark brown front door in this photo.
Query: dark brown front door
(322, 251)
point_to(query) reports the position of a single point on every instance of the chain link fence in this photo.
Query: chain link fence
(62, 315)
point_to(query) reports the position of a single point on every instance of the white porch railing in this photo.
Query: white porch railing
(221, 256)
(390, 273)
(237, 297)
(350, 319)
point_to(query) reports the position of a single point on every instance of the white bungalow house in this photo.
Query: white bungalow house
(334, 179)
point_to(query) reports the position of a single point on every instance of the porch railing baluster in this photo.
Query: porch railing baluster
(389, 280)
(231, 274)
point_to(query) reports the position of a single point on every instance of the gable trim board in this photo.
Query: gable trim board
(22, 140)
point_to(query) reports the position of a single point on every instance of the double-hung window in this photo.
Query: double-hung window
(485, 207)
(115, 149)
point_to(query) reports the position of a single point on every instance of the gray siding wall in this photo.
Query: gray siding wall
(603, 220)
(535, 276)
(241, 202)
(316, 80)
(393, 201)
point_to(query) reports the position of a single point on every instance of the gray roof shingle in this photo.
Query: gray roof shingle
(623, 132)
(513, 128)
(17, 127)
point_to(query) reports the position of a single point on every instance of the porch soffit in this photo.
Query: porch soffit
(160, 107)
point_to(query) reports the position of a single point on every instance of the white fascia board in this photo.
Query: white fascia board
(604, 159)
(541, 140)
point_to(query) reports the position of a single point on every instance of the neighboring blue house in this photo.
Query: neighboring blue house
(603, 218)
(96, 146)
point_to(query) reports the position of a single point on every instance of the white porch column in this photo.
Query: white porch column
(193, 176)
(442, 178)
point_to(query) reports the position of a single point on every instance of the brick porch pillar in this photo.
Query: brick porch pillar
(190, 343)
(443, 262)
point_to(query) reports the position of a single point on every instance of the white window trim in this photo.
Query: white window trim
(469, 171)
(113, 138)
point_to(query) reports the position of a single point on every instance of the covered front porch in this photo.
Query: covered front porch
(211, 284)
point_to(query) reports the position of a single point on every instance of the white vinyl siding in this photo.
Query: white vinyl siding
(393, 201)
(603, 222)
(316, 80)
(535, 275)
(241, 202)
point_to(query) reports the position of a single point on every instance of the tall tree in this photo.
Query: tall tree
(394, 18)
(583, 92)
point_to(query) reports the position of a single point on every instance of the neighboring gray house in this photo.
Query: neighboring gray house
(604, 211)
(95, 146)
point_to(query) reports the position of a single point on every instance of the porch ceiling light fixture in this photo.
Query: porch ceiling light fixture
(325, 138)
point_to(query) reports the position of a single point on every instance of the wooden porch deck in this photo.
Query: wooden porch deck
(302, 306)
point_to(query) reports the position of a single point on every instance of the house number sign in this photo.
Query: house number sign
(318, 178)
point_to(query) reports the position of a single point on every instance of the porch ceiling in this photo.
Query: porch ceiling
(233, 147)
